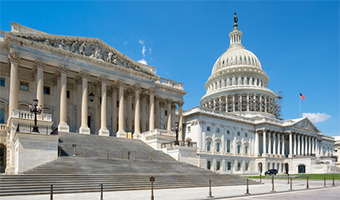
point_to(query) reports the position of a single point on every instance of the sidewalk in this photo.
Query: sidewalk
(221, 192)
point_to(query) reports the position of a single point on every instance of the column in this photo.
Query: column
(298, 147)
(278, 144)
(290, 145)
(97, 108)
(240, 103)
(309, 146)
(274, 144)
(173, 109)
(114, 110)
(305, 150)
(63, 126)
(264, 144)
(269, 143)
(247, 101)
(144, 113)
(260, 104)
(157, 124)
(220, 104)
(137, 112)
(103, 126)
(302, 145)
(121, 132)
(233, 102)
(313, 147)
(40, 82)
(129, 111)
(13, 90)
(84, 129)
(265, 104)
(257, 144)
(226, 103)
(152, 111)
(283, 144)
(169, 115)
(254, 103)
(294, 144)
(180, 124)
(79, 82)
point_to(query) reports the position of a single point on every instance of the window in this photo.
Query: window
(246, 166)
(228, 132)
(68, 94)
(246, 135)
(220, 84)
(218, 147)
(228, 146)
(236, 81)
(229, 166)
(225, 82)
(217, 130)
(2, 157)
(238, 166)
(231, 81)
(246, 150)
(238, 133)
(208, 128)
(47, 90)
(2, 116)
(242, 80)
(24, 85)
(189, 128)
(218, 166)
(166, 113)
(238, 148)
(2, 82)
(208, 164)
(208, 146)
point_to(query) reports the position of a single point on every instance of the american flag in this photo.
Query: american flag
(302, 97)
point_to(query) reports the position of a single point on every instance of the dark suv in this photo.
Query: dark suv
(271, 172)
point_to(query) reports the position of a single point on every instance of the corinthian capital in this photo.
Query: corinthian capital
(39, 64)
(103, 79)
(63, 69)
(84, 74)
(14, 58)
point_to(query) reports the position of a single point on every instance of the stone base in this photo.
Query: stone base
(121, 134)
(264, 155)
(104, 132)
(84, 130)
(63, 127)
(137, 136)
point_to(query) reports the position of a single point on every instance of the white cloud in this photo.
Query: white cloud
(143, 61)
(125, 42)
(141, 42)
(316, 117)
(143, 51)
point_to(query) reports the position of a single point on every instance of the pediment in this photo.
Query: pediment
(305, 123)
(92, 48)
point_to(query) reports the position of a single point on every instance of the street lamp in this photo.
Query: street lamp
(176, 129)
(35, 110)
(91, 97)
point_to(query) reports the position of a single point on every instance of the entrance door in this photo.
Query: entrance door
(302, 169)
(2, 159)
(287, 168)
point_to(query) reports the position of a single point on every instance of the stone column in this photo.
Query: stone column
(302, 145)
(152, 110)
(257, 144)
(169, 115)
(240, 103)
(13, 90)
(157, 123)
(247, 101)
(63, 126)
(298, 147)
(305, 150)
(180, 124)
(103, 127)
(129, 111)
(226, 103)
(137, 112)
(312, 143)
(97, 108)
(84, 129)
(260, 103)
(144, 113)
(269, 143)
(294, 144)
(121, 132)
(254, 104)
(309, 146)
(220, 104)
(40, 82)
(278, 144)
(283, 144)
(233, 102)
(79, 82)
(264, 144)
(265, 104)
(114, 110)
(290, 145)
(274, 144)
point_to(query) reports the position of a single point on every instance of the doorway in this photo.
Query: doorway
(302, 169)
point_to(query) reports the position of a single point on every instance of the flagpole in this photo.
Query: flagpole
(299, 105)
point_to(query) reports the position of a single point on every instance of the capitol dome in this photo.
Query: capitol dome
(238, 84)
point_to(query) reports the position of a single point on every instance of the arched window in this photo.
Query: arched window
(228, 146)
(242, 81)
(231, 81)
(217, 147)
(238, 148)
(228, 132)
(208, 145)
(236, 81)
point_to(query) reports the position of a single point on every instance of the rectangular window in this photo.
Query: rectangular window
(24, 85)
(2, 157)
(208, 146)
(218, 130)
(2, 82)
(2, 116)
(246, 166)
(229, 166)
(218, 147)
(238, 166)
(208, 128)
(166, 113)
(246, 135)
(238, 133)
(218, 166)
(238, 149)
(47, 90)
(228, 146)
(208, 165)
(68, 94)
(246, 150)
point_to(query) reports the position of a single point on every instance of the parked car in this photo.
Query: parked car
(271, 172)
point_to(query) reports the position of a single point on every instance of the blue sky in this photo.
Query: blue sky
(296, 42)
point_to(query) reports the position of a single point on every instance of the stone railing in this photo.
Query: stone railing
(324, 137)
(170, 83)
(158, 132)
(21, 114)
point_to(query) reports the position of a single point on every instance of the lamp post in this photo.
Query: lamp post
(176, 129)
(33, 109)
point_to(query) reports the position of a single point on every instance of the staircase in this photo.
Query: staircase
(70, 174)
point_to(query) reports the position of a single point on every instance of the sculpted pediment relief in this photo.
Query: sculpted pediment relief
(306, 124)
(90, 47)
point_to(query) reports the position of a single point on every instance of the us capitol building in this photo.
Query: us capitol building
(87, 87)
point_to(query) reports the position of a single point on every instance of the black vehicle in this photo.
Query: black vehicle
(271, 172)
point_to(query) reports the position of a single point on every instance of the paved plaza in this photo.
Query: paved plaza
(262, 191)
